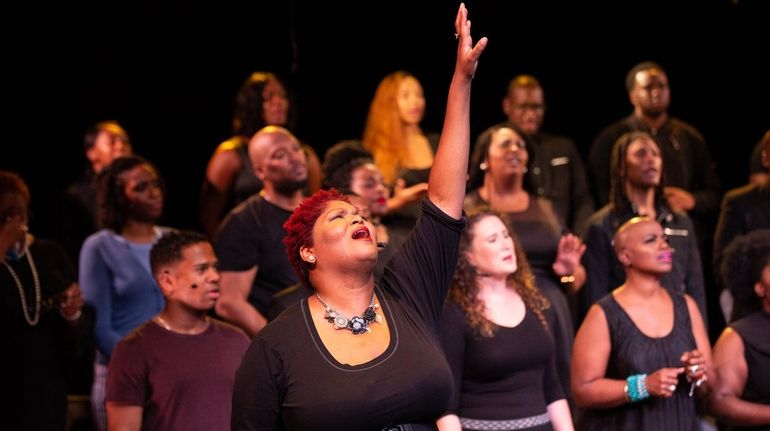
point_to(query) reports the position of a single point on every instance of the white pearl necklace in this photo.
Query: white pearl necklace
(36, 318)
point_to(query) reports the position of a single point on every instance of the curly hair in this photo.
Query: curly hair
(618, 172)
(299, 229)
(113, 205)
(481, 152)
(464, 290)
(11, 182)
(247, 111)
(745, 259)
(340, 161)
(384, 134)
(168, 250)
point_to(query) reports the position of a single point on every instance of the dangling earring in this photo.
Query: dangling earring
(483, 166)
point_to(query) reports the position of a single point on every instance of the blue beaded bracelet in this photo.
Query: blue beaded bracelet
(637, 390)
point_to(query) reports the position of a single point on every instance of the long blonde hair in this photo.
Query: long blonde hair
(465, 290)
(384, 135)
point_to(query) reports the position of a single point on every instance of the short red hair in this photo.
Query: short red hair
(299, 228)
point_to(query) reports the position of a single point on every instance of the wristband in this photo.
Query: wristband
(637, 389)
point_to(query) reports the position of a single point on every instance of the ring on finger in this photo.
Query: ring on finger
(694, 369)
(672, 388)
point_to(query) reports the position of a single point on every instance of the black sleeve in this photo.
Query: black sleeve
(694, 284)
(599, 167)
(729, 226)
(706, 185)
(420, 271)
(256, 394)
(582, 202)
(552, 390)
(236, 244)
(596, 260)
(453, 324)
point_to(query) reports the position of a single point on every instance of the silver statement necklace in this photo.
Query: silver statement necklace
(36, 317)
(357, 324)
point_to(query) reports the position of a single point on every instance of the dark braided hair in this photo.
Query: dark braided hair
(618, 171)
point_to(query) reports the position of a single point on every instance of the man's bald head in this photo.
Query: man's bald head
(265, 138)
(278, 160)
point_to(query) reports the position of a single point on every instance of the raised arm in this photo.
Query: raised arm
(446, 186)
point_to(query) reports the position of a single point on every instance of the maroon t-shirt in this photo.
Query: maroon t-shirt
(181, 381)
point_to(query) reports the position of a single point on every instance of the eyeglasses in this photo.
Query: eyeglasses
(536, 107)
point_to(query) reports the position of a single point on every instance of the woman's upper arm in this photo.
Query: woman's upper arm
(222, 167)
(699, 330)
(591, 350)
(730, 365)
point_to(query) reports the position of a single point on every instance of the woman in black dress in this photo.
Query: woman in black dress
(494, 308)
(642, 351)
(41, 328)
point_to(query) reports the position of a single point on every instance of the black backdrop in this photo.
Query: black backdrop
(169, 73)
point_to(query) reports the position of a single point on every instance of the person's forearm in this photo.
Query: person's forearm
(243, 315)
(601, 393)
(446, 186)
(449, 423)
(561, 417)
(736, 411)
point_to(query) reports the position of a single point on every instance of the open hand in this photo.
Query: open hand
(467, 54)
(679, 199)
(568, 254)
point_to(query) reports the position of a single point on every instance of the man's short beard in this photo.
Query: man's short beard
(289, 187)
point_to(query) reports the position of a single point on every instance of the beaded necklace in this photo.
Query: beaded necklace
(32, 321)
(357, 324)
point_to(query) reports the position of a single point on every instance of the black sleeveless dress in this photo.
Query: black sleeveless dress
(634, 353)
(753, 329)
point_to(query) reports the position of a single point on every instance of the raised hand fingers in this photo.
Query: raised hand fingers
(468, 55)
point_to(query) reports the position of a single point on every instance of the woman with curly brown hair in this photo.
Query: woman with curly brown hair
(493, 309)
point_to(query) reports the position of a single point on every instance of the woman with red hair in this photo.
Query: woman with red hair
(355, 355)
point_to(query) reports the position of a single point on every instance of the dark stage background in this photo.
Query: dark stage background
(169, 74)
